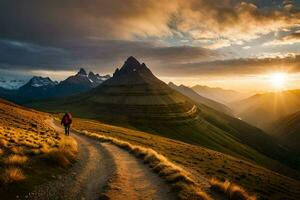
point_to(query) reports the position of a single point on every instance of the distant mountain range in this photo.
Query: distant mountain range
(262, 110)
(41, 88)
(135, 98)
(12, 83)
(189, 92)
(219, 94)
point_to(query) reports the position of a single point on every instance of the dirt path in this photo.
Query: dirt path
(133, 180)
(106, 171)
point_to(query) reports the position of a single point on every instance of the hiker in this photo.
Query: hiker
(67, 121)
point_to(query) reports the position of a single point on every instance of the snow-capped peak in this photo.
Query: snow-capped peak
(38, 81)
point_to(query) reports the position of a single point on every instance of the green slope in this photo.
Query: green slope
(287, 129)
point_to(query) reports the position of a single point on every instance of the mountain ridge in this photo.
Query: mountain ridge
(218, 94)
(189, 92)
(41, 88)
(263, 109)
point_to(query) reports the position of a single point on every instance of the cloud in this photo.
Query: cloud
(218, 44)
(96, 54)
(53, 20)
(286, 40)
(234, 20)
(64, 34)
(243, 66)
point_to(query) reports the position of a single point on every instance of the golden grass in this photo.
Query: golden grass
(231, 190)
(12, 175)
(17, 150)
(15, 160)
(3, 143)
(26, 137)
(179, 179)
(65, 154)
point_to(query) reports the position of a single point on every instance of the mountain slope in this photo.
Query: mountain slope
(218, 94)
(134, 97)
(199, 99)
(287, 129)
(263, 109)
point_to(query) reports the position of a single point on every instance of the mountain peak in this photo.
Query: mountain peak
(91, 74)
(38, 81)
(133, 66)
(82, 72)
(132, 61)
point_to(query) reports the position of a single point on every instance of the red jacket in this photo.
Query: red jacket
(67, 119)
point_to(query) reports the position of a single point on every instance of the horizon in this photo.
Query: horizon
(212, 82)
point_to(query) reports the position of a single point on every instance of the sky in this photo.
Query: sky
(236, 44)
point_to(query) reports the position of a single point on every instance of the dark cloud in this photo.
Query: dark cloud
(61, 34)
(246, 66)
(96, 54)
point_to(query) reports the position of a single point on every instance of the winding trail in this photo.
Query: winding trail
(104, 171)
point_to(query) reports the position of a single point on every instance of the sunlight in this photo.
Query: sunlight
(278, 80)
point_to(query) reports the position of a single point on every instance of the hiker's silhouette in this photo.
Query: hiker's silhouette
(67, 121)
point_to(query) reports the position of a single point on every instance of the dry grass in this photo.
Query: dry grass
(179, 179)
(12, 175)
(15, 160)
(26, 137)
(3, 143)
(65, 154)
(17, 150)
(231, 190)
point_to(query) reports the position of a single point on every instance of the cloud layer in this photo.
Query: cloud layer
(178, 34)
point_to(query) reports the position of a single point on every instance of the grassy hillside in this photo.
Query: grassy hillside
(208, 128)
(263, 109)
(28, 146)
(203, 163)
(287, 129)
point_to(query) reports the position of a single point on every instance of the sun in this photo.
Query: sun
(278, 80)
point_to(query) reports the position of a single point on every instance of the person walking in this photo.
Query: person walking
(67, 121)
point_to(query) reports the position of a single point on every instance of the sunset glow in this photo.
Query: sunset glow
(278, 80)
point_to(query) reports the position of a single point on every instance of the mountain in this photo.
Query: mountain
(35, 89)
(218, 94)
(200, 99)
(41, 88)
(134, 93)
(97, 79)
(12, 83)
(261, 110)
(287, 129)
(135, 98)
(38, 81)
(81, 82)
